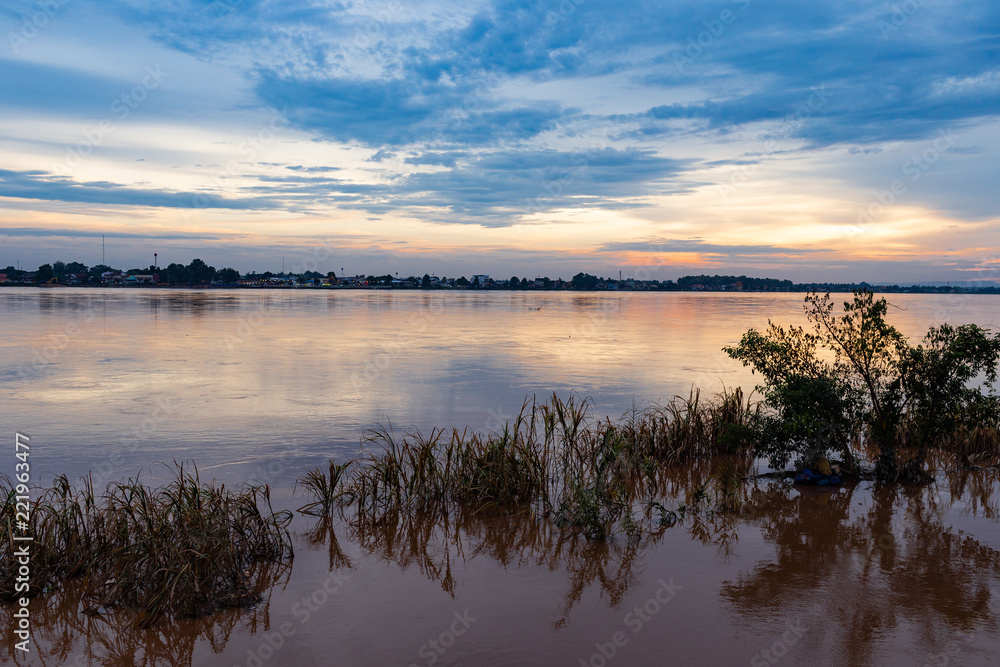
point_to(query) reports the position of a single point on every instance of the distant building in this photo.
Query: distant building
(482, 278)
(112, 277)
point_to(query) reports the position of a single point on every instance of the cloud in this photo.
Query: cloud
(36, 184)
(492, 188)
(53, 89)
(381, 156)
(663, 246)
(497, 188)
(478, 113)
(397, 112)
(83, 233)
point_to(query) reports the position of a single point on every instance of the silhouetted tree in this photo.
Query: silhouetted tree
(228, 276)
(199, 272)
(44, 273)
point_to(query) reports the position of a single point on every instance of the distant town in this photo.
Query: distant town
(199, 274)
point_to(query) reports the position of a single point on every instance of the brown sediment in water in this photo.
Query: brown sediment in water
(860, 575)
(587, 529)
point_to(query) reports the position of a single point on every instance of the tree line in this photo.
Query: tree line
(198, 272)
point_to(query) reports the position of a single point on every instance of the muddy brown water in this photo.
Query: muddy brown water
(266, 385)
(800, 575)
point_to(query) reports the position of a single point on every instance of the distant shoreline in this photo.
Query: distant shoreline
(798, 289)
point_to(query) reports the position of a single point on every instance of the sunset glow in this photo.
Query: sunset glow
(810, 141)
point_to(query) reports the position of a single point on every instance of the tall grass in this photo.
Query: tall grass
(326, 489)
(553, 459)
(183, 549)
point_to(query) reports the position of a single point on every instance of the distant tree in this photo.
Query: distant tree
(59, 269)
(76, 267)
(462, 282)
(524, 283)
(44, 273)
(332, 277)
(228, 276)
(584, 281)
(426, 280)
(96, 271)
(475, 281)
(14, 275)
(199, 272)
(176, 274)
(514, 282)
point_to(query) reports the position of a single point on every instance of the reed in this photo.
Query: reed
(597, 476)
(325, 488)
(183, 549)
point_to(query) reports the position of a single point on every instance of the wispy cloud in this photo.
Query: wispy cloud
(43, 185)
(666, 246)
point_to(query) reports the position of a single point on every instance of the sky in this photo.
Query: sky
(844, 140)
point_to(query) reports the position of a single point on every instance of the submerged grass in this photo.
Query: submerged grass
(600, 477)
(326, 489)
(187, 548)
(183, 549)
(597, 476)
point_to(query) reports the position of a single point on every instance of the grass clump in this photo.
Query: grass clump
(595, 476)
(184, 549)
(325, 488)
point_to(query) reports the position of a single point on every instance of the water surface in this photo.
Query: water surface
(263, 383)
(266, 384)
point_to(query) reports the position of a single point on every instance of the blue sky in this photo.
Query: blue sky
(843, 140)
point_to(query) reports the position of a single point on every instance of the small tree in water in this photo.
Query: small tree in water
(873, 383)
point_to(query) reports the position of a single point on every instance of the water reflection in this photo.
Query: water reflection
(62, 634)
(976, 490)
(436, 544)
(320, 366)
(878, 561)
(883, 575)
